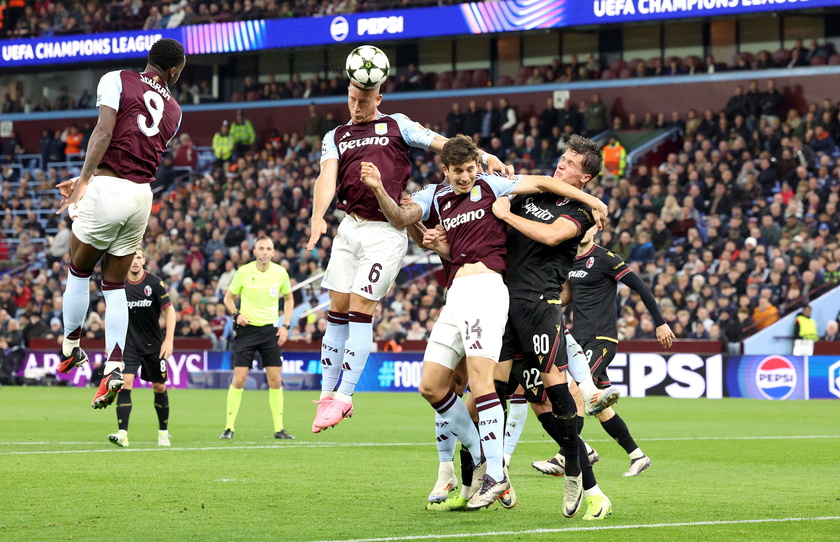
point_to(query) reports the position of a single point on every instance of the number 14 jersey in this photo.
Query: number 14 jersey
(148, 117)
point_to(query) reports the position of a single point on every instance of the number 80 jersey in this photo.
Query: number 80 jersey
(148, 117)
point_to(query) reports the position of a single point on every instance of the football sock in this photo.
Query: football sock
(547, 420)
(116, 323)
(446, 468)
(76, 302)
(234, 399)
(501, 391)
(356, 352)
(617, 429)
(636, 454)
(517, 415)
(161, 408)
(491, 429)
(565, 417)
(332, 351)
(123, 408)
(444, 440)
(580, 422)
(275, 401)
(454, 411)
(594, 490)
(585, 467)
(467, 468)
(578, 366)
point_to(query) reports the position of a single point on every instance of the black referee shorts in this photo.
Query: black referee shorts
(535, 330)
(251, 340)
(599, 354)
(152, 368)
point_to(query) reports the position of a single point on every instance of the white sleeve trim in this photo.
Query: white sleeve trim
(414, 133)
(328, 149)
(109, 90)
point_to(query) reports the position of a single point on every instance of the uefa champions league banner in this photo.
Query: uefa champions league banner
(466, 18)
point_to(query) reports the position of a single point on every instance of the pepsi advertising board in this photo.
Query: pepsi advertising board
(462, 19)
(771, 377)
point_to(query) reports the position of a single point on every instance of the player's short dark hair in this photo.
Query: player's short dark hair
(459, 150)
(593, 157)
(166, 54)
(264, 238)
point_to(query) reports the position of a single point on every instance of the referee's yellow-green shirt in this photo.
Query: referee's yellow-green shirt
(260, 292)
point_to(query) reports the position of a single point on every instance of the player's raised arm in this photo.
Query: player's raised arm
(540, 183)
(323, 194)
(399, 216)
(551, 234)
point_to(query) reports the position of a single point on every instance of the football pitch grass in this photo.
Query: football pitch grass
(731, 469)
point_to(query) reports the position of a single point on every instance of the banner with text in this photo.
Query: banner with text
(466, 18)
(685, 376)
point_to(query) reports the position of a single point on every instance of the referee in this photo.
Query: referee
(259, 284)
(146, 346)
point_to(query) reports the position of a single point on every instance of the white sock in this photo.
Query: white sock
(491, 429)
(356, 352)
(445, 440)
(517, 416)
(76, 303)
(446, 469)
(332, 352)
(453, 411)
(594, 490)
(636, 454)
(116, 323)
(578, 366)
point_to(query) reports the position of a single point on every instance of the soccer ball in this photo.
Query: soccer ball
(367, 66)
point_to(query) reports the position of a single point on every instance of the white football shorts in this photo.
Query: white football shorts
(366, 257)
(472, 322)
(113, 214)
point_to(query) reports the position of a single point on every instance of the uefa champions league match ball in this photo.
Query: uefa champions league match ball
(367, 66)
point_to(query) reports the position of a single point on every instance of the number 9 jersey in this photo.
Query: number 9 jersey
(148, 117)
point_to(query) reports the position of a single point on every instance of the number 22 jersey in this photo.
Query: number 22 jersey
(148, 117)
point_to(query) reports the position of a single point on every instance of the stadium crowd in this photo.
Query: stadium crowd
(735, 228)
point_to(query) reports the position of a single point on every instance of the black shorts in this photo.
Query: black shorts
(153, 368)
(535, 330)
(251, 340)
(599, 354)
(527, 374)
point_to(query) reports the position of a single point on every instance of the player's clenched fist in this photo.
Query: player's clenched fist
(370, 175)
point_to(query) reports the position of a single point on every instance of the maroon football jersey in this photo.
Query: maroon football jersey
(148, 117)
(379, 141)
(472, 230)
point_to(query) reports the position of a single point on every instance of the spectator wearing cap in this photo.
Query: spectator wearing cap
(223, 144)
(243, 133)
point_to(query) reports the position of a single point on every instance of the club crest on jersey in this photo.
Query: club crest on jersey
(273, 292)
(381, 128)
(147, 290)
(563, 201)
(475, 195)
(590, 262)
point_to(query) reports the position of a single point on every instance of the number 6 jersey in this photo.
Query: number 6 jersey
(148, 117)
